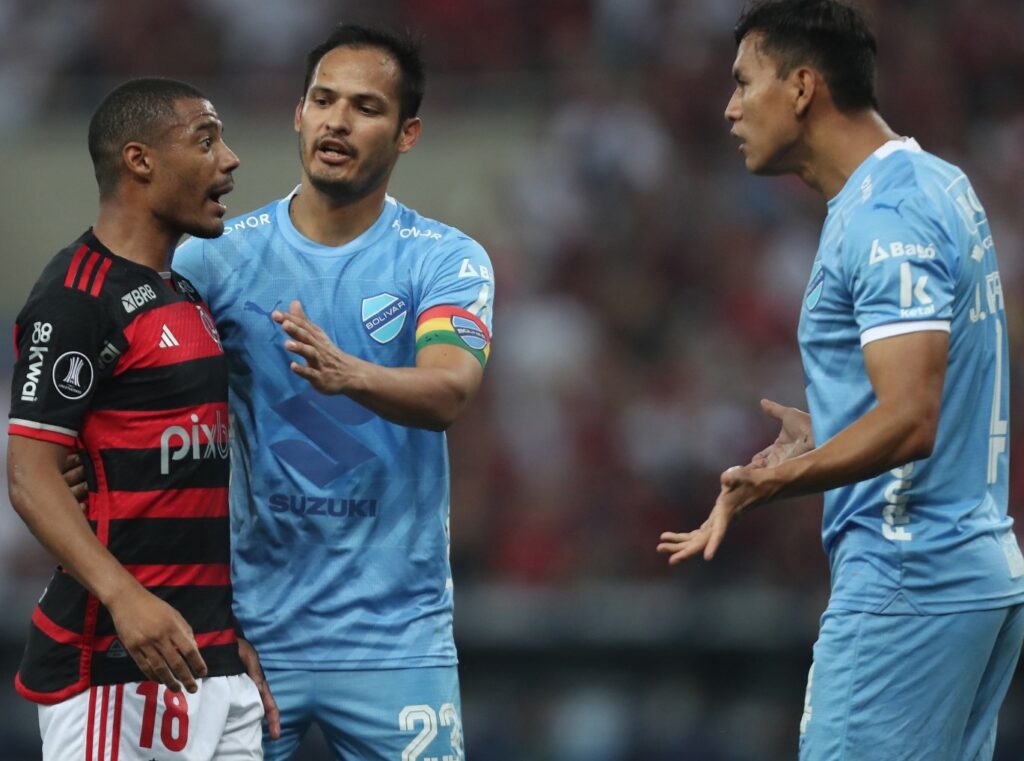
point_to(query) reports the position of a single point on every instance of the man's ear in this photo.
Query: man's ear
(805, 83)
(138, 159)
(409, 134)
(298, 113)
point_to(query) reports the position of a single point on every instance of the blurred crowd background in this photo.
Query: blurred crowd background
(648, 291)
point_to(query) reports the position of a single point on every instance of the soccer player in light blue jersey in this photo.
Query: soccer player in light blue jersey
(357, 331)
(903, 338)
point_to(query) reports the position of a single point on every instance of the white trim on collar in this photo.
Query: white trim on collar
(900, 144)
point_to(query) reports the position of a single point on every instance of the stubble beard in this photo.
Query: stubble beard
(343, 191)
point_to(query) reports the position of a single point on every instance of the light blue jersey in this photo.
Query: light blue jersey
(906, 247)
(339, 519)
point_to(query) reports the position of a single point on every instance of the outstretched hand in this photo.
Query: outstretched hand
(328, 369)
(795, 437)
(741, 488)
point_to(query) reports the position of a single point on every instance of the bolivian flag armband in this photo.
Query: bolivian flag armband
(451, 325)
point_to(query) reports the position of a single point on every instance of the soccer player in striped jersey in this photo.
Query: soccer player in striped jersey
(903, 337)
(121, 361)
(340, 483)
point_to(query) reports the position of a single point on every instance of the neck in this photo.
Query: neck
(134, 234)
(837, 145)
(333, 223)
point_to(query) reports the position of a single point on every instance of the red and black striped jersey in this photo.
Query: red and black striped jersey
(128, 367)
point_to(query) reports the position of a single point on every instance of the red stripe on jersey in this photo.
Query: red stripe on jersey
(91, 724)
(189, 575)
(100, 277)
(17, 330)
(115, 735)
(69, 279)
(103, 724)
(34, 433)
(55, 631)
(83, 281)
(206, 639)
(172, 503)
(129, 429)
(211, 639)
(49, 698)
(151, 346)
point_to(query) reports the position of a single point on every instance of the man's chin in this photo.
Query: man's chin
(212, 229)
(338, 190)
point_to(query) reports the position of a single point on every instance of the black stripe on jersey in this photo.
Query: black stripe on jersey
(197, 381)
(164, 541)
(207, 609)
(64, 602)
(221, 660)
(62, 663)
(139, 470)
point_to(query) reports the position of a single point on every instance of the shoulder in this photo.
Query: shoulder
(80, 280)
(436, 238)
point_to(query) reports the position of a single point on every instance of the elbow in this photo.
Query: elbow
(442, 420)
(443, 416)
(920, 441)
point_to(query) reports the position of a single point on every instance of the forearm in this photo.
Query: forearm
(419, 397)
(42, 499)
(879, 441)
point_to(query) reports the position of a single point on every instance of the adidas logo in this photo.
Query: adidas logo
(167, 339)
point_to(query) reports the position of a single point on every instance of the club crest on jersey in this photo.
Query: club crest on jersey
(383, 316)
(72, 375)
(208, 323)
(816, 286)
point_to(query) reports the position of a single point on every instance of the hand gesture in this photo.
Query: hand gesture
(158, 639)
(328, 369)
(251, 661)
(794, 439)
(741, 488)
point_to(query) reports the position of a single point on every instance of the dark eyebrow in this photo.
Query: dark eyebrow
(209, 124)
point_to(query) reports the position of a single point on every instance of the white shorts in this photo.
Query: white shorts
(143, 721)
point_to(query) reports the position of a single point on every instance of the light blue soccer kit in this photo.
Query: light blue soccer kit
(339, 519)
(925, 623)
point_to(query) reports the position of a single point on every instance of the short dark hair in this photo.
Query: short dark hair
(136, 110)
(401, 47)
(831, 36)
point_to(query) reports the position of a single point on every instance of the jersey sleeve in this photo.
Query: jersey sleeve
(64, 341)
(456, 300)
(189, 262)
(902, 266)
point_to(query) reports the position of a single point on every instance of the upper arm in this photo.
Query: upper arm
(455, 308)
(65, 343)
(462, 367)
(909, 370)
(30, 464)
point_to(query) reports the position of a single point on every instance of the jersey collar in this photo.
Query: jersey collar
(299, 241)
